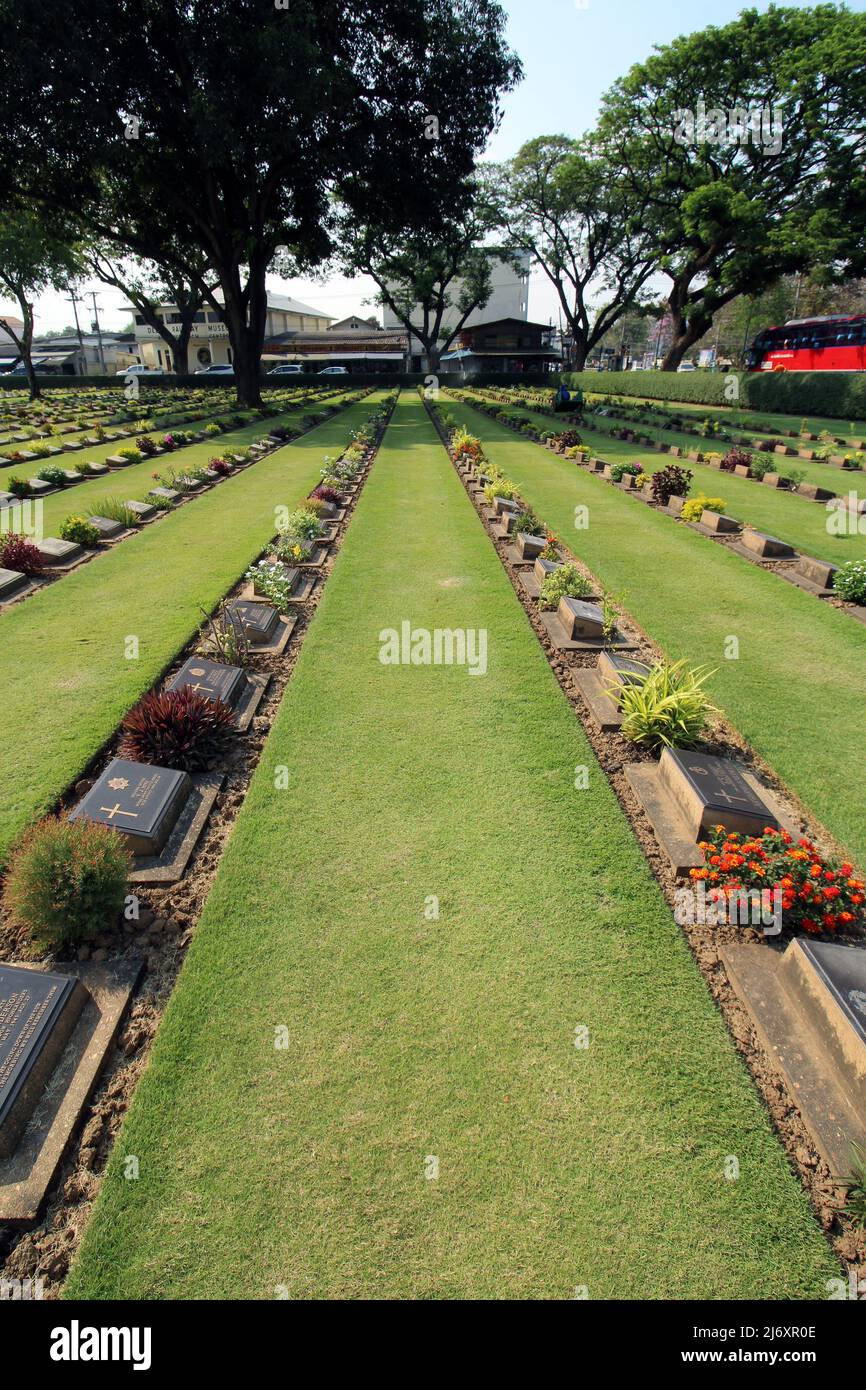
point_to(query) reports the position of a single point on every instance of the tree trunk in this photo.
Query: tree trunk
(181, 350)
(687, 331)
(432, 358)
(246, 326)
(579, 354)
(35, 391)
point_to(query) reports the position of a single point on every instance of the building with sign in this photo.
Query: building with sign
(209, 343)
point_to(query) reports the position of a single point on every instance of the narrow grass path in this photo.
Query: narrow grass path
(795, 691)
(64, 671)
(419, 1045)
(794, 519)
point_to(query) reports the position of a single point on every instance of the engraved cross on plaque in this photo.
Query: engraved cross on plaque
(112, 811)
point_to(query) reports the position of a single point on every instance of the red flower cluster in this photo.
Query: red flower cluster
(817, 894)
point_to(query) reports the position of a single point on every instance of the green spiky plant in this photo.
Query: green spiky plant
(669, 708)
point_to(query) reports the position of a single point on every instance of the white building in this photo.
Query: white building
(509, 299)
(210, 338)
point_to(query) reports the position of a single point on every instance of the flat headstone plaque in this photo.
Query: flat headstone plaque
(530, 546)
(580, 619)
(621, 670)
(10, 582)
(141, 801)
(258, 620)
(143, 510)
(212, 679)
(169, 493)
(107, 528)
(37, 1014)
(542, 568)
(57, 552)
(767, 547)
(843, 970)
(712, 791)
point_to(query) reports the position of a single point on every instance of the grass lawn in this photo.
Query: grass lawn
(65, 677)
(745, 421)
(413, 1039)
(795, 691)
(796, 520)
(135, 482)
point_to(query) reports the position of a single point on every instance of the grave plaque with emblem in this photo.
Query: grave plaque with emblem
(212, 679)
(258, 620)
(712, 791)
(38, 1012)
(141, 801)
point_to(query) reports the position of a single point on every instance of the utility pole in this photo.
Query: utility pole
(98, 331)
(73, 300)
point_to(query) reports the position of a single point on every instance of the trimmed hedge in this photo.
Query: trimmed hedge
(834, 394)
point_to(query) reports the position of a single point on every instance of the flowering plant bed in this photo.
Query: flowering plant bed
(817, 893)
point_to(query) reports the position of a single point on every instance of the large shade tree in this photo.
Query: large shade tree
(230, 125)
(35, 255)
(735, 195)
(430, 279)
(565, 207)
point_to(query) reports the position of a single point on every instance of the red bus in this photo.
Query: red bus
(836, 343)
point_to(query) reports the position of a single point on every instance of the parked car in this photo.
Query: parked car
(286, 369)
(687, 367)
(217, 369)
(140, 370)
(334, 371)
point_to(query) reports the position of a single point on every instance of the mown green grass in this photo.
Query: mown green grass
(410, 1038)
(744, 422)
(64, 673)
(803, 524)
(796, 689)
(135, 482)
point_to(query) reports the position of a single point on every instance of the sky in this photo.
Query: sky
(572, 51)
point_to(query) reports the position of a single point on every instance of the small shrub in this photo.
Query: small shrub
(146, 445)
(303, 523)
(113, 509)
(134, 455)
(326, 494)
(51, 474)
(550, 551)
(735, 458)
(178, 728)
(619, 470)
(671, 481)
(212, 429)
(500, 487)
(567, 582)
(527, 522)
(850, 581)
(19, 487)
(67, 882)
(79, 530)
(272, 583)
(694, 506)
(19, 554)
(568, 439)
(668, 708)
